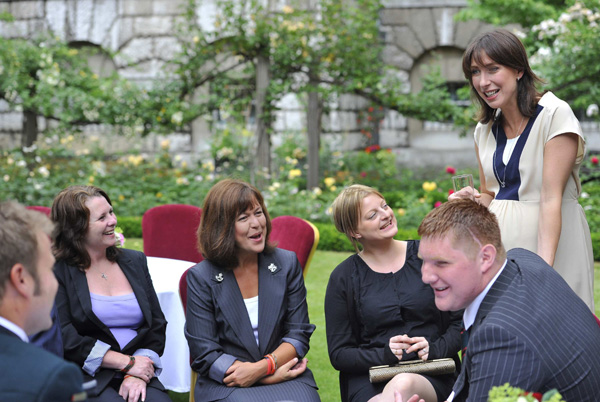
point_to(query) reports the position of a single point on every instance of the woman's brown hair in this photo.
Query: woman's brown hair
(71, 217)
(225, 201)
(506, 49)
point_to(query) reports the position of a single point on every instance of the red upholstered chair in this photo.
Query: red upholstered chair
(169, 231)
(297, 235)
(183, 296)
(40, 208)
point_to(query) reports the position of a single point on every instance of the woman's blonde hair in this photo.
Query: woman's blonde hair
(346, 210)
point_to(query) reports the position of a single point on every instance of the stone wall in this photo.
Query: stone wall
(417, 33)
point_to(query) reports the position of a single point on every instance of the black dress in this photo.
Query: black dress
(364, 309)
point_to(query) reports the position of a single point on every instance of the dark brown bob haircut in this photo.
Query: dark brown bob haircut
(506, 49)
(72, 217)
(468, 224)
(225, 201)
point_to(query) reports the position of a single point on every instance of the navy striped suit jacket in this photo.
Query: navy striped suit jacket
(533, 332)
(218, 328)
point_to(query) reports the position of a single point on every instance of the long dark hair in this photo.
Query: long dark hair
(506, 49)
(225, 201)
(71, 217)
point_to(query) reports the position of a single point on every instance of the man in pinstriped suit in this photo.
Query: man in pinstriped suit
(526, 326)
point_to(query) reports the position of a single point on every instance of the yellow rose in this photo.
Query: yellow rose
(429, 186)
(329, 181)
(294, 173)
(401, 212)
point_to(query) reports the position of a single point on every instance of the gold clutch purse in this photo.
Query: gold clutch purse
(431, 367)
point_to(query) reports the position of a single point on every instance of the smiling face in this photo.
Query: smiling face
(455, 277)
(495, 83)
(250, 231)
(101, 227)
(376, 220)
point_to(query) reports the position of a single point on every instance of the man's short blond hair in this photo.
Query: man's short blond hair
(469, 225)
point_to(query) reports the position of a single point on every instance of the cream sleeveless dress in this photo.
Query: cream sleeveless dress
(517, 203)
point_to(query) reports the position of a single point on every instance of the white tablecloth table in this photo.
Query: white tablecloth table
(165, 273)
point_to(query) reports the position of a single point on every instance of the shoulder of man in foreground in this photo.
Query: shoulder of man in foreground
(31, 373)
(538, 335)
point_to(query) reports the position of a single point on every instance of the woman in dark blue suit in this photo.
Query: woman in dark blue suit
(112, 325)
(247, 320)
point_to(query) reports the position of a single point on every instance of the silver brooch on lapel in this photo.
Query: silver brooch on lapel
(272, 267)
(219, 277)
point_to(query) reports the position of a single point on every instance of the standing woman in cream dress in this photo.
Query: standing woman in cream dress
(529, 147)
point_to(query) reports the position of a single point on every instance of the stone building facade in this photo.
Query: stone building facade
(417, 33)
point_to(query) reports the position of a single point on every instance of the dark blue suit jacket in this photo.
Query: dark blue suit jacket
(533, 332)
(51, 339)
(81, 328)
(30, 374)
(217, 322)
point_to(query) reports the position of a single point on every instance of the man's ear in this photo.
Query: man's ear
(487, 256)
(21, 280)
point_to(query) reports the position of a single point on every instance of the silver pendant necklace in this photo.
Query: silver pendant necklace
(104, 276)
(503, 181)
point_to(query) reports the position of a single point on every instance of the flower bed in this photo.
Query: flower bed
(136, 182)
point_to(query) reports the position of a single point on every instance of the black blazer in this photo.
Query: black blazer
(30, 374)
(533, 332)
(218, 326)
(81, 328)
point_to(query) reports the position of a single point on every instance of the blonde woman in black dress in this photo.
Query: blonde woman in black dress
(377, 309)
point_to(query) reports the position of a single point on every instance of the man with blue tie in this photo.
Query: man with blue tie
(27, 290)
(525, 325)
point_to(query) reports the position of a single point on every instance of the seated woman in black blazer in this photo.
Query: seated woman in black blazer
(112, 324)
(378, 310)
(247, 319)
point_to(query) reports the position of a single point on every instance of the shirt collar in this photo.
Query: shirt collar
(472, 309)
(14, 328)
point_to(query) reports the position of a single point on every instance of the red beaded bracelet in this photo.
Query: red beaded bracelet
(129, 365)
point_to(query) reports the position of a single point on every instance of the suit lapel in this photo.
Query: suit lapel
(82, 290)
(504, 281)
(229, 298)
(271, 290)
(135, 281)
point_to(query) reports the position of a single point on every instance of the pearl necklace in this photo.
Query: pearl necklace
(503, 181)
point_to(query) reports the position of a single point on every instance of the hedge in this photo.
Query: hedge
(131, 226)
(329, 238)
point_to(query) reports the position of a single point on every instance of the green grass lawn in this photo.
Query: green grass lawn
(316, 282)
